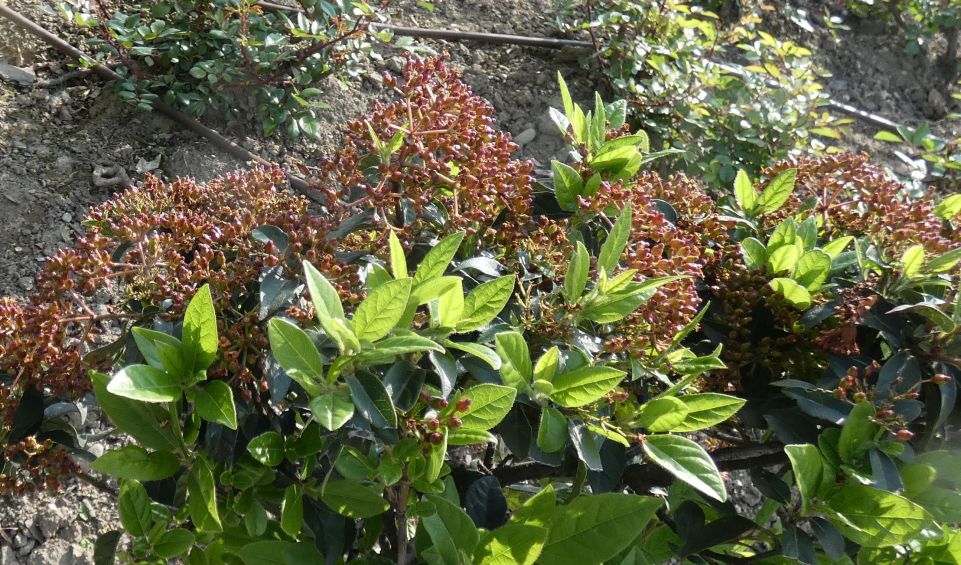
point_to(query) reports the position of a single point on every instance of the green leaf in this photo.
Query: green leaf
(133, 507)
(552, 431)
(611, 307)
(688, 462)
(451, 530)
(584, 385)
(575, 281)
(483, 353)
(267, 448)
(354, 499)
(376, 276)
(144, 422)
(565, 95)
(292, 511)
(449, 308)
(615, 160)
(332, 409)
(707, 409)
(144, 383)
(806, 463)
(214, 402)
(435, 457)
(382, 309)
(616, 241)
(296, 353)
(744, 192)
(876, 518)
(173, 543)
(372, 400)
(323, 294)
(593, 529)
(148, 341)
(436, 260)
(812, 269)
(784, 234)
(754, 252)
(489, 404)
(568, 185)
(516, 370)
(398, 261)
(662, 414)
(460, 436)
(857, 434)
(777, 192)
(430, 290)
(792, 292)
(485, 302)
(948, 208)
(511, 544)
(912, 260)
(546, 366)
(202, 497)
(199, 335)
(279, 553)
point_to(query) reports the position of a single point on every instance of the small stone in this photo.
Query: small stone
(67, 217)
(526, 136)
(64, 164)
(27, 547)
(8, 556)
(9, 73)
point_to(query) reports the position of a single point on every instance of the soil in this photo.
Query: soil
(56, 141)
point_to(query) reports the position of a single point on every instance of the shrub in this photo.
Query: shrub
(448, 395)
(230, 56)
(665, 59)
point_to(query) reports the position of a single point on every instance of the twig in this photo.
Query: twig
(65, 77)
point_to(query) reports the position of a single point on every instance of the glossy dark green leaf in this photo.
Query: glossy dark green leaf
(354, 499)
(133, 508)
(372, 400)
(144, 383)
(616, 241)
(267, 448)
(105, 548)
(451, 529)
(485, 503)
(296, 353)
(688, 462)
(173, 543)
(147, 423)
(133, 462)
(552, 430)
(202, 497)
(292, 511)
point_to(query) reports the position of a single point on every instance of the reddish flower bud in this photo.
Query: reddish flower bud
(904, 435)
(454, 422)
(940, 379)
(436, 437)
(463, 404)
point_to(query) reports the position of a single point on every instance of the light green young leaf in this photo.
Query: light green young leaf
(778, 191)
(662, 414)
(398, 261)
(483, 353)
(435, 457)
(460, 436)
(267, 448)
(707, 409)
(857, 433)
(609, 308)
(784, 234)
(354, 499)
(794, 293)
(784, 259)
(593, 529)
(199, 335)
(433, 289)
(575, 281)
(136, 463)
(485, 302)
(568, 185)
(744, 192)
(912, 260)
(876, 518)
(147, 342)
(546, 366)
(387, 350)
(754, 252)
(813, 269)
(688, 462)
(202, 497)
(296, 353)
(565, 96)
(376, 276)
(584, 385)
(511, 544)
(948, 208)
(323, 294)
(890, 136)
(489, 404)
(806, 463)
(214, 401)
(438, 258)
(143, 421)
(836, 246)
(945, 262)
(381, 310)
(613, 246)
(515, 368)
(615, 160)
(144, 383)
(452, 531)
(332, 408)
(552, 430)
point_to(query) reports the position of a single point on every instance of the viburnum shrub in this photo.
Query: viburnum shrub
(437, 392)
(671, 61)
(231, 56)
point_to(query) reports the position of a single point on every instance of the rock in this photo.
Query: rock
(8, 556)
(203, 162)
(9, 73)
(48, 523)
(526, 136)
(937, 106)
(58, 552)
(67, 217)
(64, 164)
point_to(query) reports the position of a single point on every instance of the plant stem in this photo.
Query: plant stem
(403, 491)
